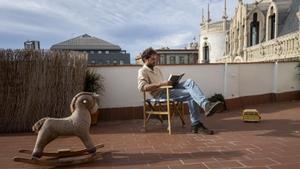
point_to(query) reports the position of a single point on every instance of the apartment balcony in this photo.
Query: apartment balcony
(271, 88)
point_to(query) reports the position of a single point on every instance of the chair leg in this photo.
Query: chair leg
(147, 118)
(169, 123)
(160, 116)
(181, 113)
(144, 114)
(160, 119)
(172, 111)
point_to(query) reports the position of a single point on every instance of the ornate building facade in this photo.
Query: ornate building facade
(262, 31)
(267, 30)
(212, 45)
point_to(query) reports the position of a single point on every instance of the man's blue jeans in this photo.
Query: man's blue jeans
(188, 91)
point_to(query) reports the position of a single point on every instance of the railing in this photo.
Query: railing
(225, 59)
(282, 48)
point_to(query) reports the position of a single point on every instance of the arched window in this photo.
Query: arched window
(206, 53)
(254, 31)
(272, 24)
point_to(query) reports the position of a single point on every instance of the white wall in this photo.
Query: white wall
(287, 79)
(233, 80)
(120, 85)
(248, 79)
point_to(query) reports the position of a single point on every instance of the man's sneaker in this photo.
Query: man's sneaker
(213, 107)
(201, 128)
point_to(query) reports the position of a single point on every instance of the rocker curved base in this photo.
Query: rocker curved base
(63, 157)
(63, 161)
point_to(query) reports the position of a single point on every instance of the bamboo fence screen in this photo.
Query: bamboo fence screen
(36, 84)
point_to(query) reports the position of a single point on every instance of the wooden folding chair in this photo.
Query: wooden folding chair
(163, 107)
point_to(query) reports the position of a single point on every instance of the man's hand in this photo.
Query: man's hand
(166, 83)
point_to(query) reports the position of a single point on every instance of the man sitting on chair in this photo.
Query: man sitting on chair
(150, 79)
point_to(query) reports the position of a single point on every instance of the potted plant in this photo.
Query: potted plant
(93, 83)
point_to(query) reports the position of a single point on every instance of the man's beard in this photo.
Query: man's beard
(151, 66)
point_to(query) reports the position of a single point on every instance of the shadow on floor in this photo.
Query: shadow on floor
(113, 159)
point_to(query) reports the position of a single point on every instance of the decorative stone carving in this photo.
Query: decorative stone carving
(262, 52)
(278, 48)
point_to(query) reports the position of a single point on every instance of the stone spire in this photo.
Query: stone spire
(203, 19)
(208, 14)
(225, 10)
(225, 16)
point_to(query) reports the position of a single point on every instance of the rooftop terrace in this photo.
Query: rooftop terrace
(271, 144)
(272, 88)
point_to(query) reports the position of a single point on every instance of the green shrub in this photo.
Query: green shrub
(93, 82)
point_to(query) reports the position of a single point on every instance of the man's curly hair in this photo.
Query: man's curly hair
(147, 53)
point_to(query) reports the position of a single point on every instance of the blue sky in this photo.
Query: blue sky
(132, 24)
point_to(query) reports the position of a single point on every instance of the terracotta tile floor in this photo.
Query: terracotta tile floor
(273, 143)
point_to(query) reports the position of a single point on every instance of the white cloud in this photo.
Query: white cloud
(173, 40)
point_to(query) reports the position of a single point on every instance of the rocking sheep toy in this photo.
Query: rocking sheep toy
(77, 124)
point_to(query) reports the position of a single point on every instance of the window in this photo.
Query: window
(107, 52)
(271, 24)
(254, 31)
(93, 62)
(272, 20)
(172, 60)
(206, 53)
(99, 52)
(92, 52)
(121, 62)
(108, 62)
(162, 59)
(115, 62)
(181, 60)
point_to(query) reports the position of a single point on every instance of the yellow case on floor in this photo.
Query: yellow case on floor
(251, 115)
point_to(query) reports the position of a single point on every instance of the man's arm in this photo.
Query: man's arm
(152, 87)
(145, 85)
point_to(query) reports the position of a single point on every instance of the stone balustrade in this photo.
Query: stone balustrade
(285, 47)
(225, 59)
(282, 48)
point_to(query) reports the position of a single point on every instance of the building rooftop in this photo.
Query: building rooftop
(85, 42)
(274, 143)
(291, 22)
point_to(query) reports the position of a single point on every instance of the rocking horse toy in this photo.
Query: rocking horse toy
(77, 124)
